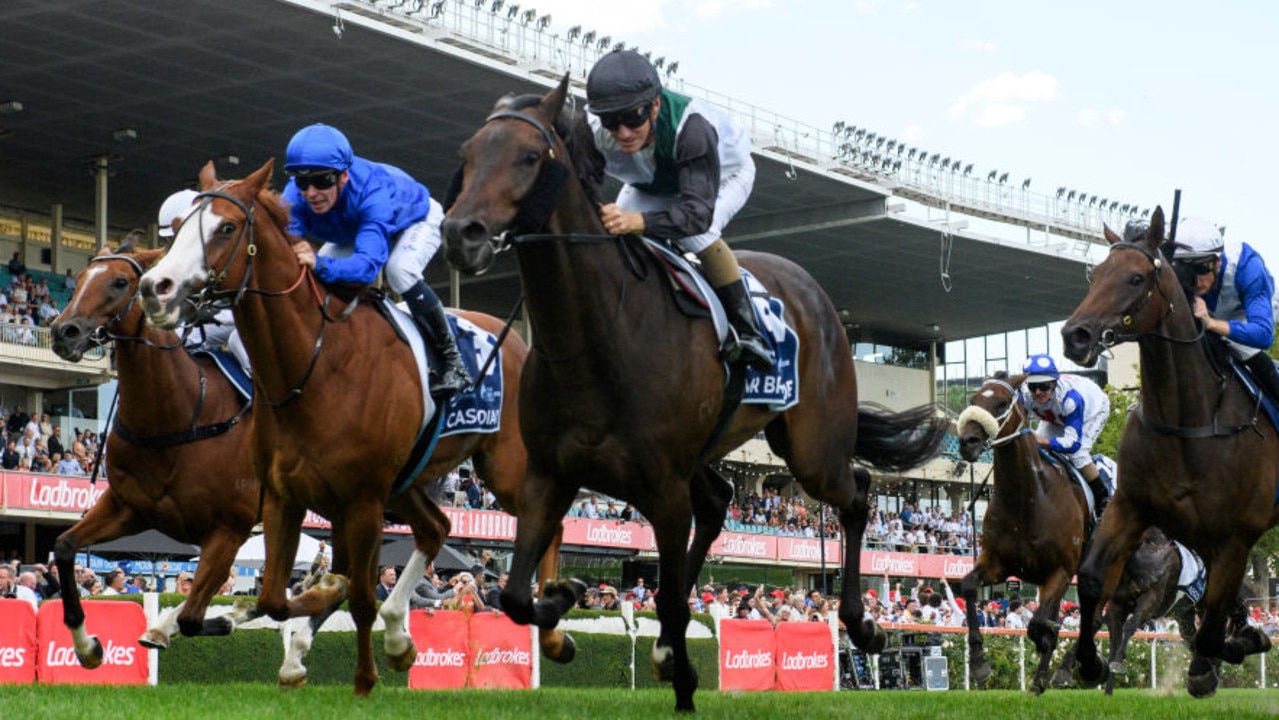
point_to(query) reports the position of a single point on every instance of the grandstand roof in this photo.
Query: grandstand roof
(202, 79)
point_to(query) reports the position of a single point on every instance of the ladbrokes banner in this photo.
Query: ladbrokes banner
(502, 653)
(746, 649)
(17, 642)
(443, 650)
(117, 625)
(805, 656)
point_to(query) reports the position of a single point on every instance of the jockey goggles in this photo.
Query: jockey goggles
(1203, 267)
(319, 180)
(634, 118)
(1041, 386)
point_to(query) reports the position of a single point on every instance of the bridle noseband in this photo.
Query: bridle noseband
(1109, 337)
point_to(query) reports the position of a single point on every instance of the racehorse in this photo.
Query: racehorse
(338, 404)
(1195, 459)
(174, 454)
(1149, 589)
(624, 394)
(1035, 525)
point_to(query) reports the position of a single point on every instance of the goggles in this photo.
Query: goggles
(634, 118)
(1203, 267)
(1041, 387)
(319, 180)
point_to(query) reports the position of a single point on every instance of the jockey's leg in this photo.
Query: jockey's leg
(726, 277)
(1263, 371)
(428, 312)
(1100, 495)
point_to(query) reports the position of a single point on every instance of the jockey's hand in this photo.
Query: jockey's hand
(1211, 324)
(619, 222)
(1043, 441)
(305, 254)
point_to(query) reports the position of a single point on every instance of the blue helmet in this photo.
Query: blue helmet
(1040, 368)
(318, 147)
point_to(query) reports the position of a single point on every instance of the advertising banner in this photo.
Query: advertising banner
(443, 658)
(17, 642)
(746, 649)
(118, 626)
(805, 656)
(502, 652)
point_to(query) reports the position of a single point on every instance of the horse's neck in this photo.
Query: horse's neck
(159, 386)
(1175, 375)
(1021, 474)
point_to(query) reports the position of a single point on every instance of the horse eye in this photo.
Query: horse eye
(531, 157)
(1137, 279)
(227, 228)
(120, 283)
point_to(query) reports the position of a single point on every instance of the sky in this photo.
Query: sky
(1124, 100)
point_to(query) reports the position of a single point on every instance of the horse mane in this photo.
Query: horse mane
(574, 129)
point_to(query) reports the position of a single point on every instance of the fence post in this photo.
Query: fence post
(1021, 658)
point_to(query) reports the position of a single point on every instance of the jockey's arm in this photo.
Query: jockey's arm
(698, 166)
(1256, 290)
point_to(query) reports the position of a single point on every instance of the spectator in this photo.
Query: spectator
(608, 598)
(92, 585)
(386, 582)
(68, 281)
(183, 585)
(17, 268)
(465, 594)
(639, 590)
(116, 582)
(494, 598)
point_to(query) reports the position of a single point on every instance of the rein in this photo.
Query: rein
(1110, 338)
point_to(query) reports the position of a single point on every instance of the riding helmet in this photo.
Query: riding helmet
(620, 80)
(175, 206)
(1041, 368)
(1197, 239)
(318, 147)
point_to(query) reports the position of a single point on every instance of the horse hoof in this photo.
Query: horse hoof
(663, 662)
(1092, 672)
(568, 651)
(1062, 679)
(878, 639)
(567, 591)
(1202, 686)
(979, 671)
(94, 658)
(293, 682)
(154, 639)
(403, 661)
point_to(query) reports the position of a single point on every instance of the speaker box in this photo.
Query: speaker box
(936, 673)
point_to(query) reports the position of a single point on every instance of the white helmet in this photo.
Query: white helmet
(1197, 239)
(175, 207)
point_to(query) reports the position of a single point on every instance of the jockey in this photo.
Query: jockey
(369, 215)
(1233, 295)
(1072, 410)
(217, 332)
(687, 170)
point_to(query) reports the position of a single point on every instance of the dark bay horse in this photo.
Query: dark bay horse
(622, 392)
(1035, 526)
(338, 403)
(1195, 458)
(174, 457)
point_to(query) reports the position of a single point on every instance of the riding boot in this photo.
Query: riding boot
(741, 315)
(429, 316)
(1100, 495)
(1263, 371)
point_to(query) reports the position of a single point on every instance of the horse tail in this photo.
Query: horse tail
(899, 440)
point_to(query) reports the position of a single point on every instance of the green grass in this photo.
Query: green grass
(261, 702)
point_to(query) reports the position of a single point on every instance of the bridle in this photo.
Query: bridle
(1023, 426)
(101, 335)
(1109, 337)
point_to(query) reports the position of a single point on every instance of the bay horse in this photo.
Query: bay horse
(338, 404)
(1035, 525)
(174, 458)
(623, 394)
(1195, 458)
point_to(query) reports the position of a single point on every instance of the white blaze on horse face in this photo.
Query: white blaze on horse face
(182, 268)
(988, 393)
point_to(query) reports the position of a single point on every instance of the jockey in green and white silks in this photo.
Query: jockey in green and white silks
(687, 170)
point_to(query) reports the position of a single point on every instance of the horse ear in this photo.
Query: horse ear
(1155, 233)
(259, 178)
(553, 101)
(208, 176)
(1111, 236)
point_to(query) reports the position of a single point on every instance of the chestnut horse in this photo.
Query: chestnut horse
(1195, 458)
(175, 459)
(1035, 525)
(338, 404)
(623, 393)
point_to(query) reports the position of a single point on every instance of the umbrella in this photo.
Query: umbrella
(253, 552)
(397, 553)
(150, 544)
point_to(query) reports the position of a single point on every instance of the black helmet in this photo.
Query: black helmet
(619, 80)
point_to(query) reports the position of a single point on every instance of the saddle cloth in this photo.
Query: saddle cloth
(231, 370)
(1106, 468)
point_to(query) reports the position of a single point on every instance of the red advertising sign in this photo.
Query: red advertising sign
(502, 652)
(746, 649)
(808, 550)
(745, 545)
(17, 642)
(805, 656)
(443, 649)
(609, 533)
(117, 624)
(53, 493)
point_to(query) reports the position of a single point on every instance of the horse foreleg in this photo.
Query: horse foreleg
(1243, 639)
(107, 520)
(157, 636)
(981, 574)
(217, 555)
(557, 645)
(361, 530)
(430, 528)
(544, 504)
(1118, 535)
(670, 652)
(710, 493)
(292, 673)
(1044, 628)
(849, 500)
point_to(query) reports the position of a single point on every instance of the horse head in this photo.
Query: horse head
(1118, 306)
(514, 172)
(211, 250)
(993, 416)
(104, 298)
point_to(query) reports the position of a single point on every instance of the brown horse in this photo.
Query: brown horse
(624, 394)
(338, 404)
(174, 455)
(1195, 459)
(1035, 526)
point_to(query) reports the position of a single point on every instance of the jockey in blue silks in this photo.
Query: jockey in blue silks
(369, 216)
(1233, 295)
(1072, 411)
